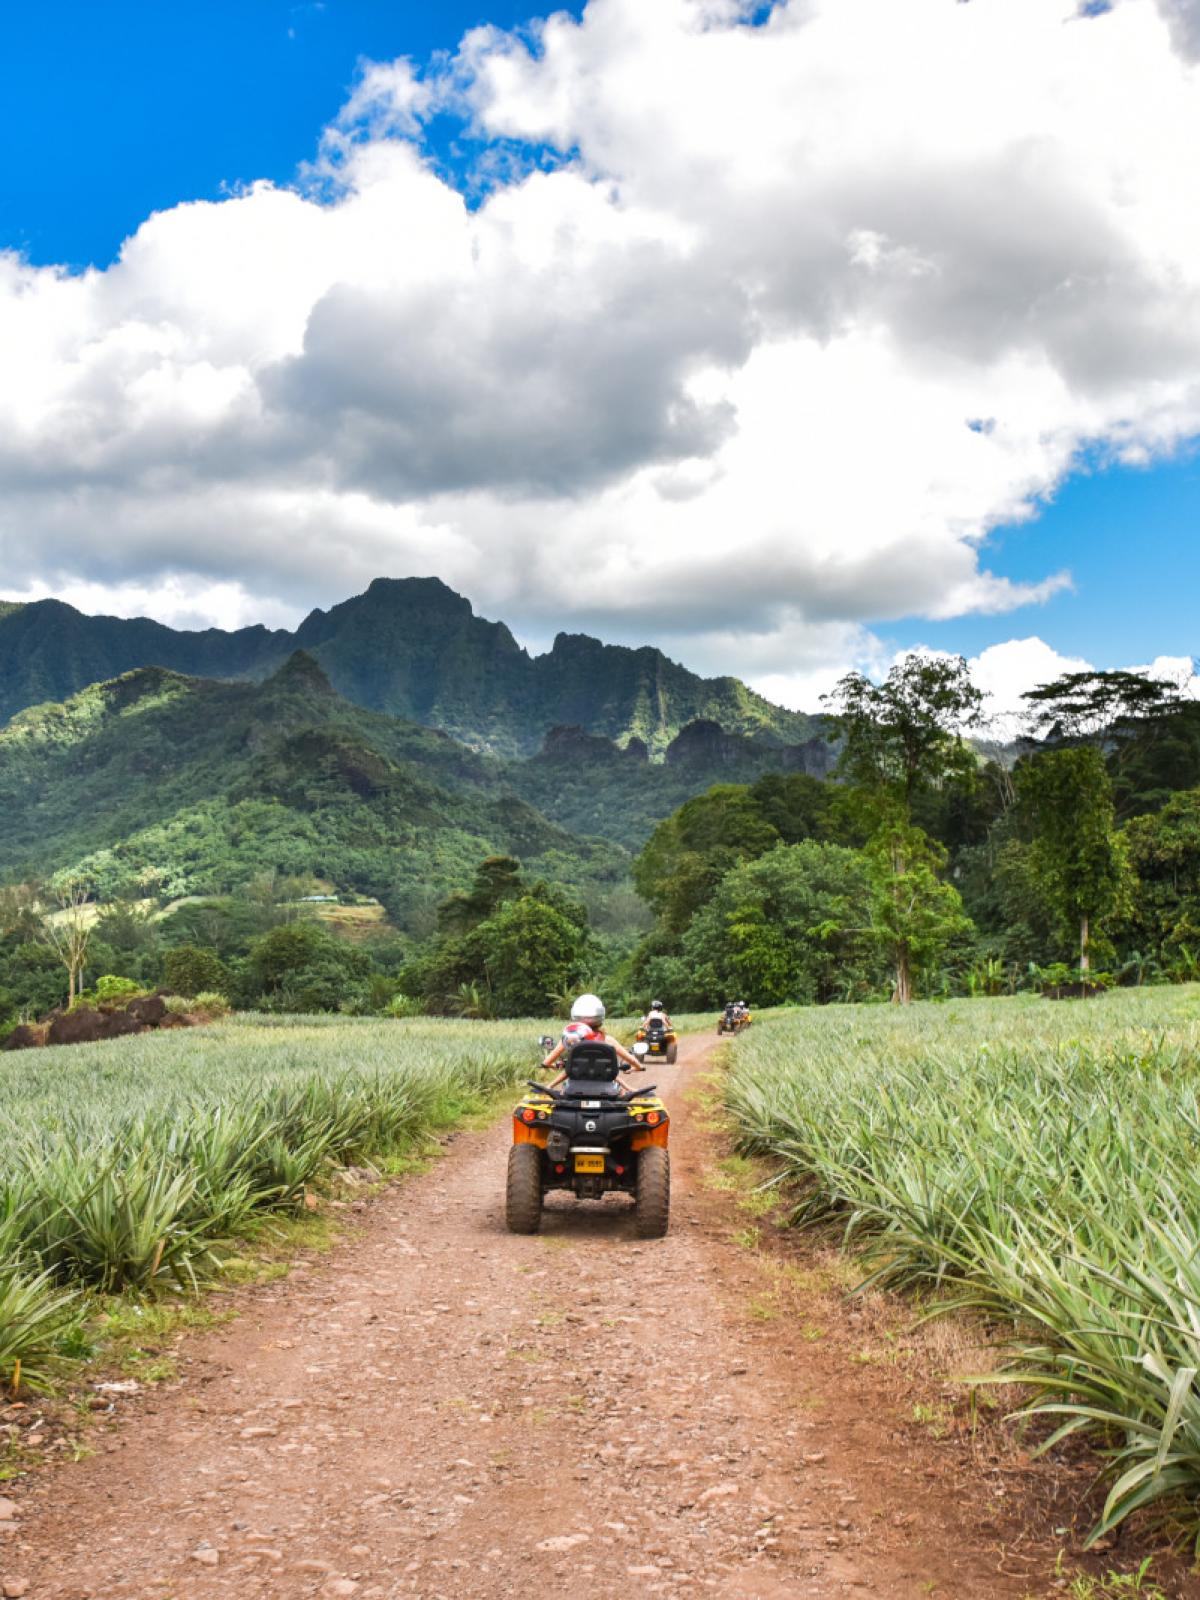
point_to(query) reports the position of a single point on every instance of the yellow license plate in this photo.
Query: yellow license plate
(589, 1163)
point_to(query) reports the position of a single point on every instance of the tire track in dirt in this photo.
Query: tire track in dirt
(444, 1409)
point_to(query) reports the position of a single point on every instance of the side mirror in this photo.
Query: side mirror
(547, 1041)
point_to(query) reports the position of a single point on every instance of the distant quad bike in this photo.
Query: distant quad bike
(590, 1136)
(656, 1042)
(729, 1021)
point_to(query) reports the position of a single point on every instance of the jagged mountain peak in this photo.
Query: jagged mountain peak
(411, 647)
(302, 671)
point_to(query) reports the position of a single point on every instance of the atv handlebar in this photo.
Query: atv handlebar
(557, 1094)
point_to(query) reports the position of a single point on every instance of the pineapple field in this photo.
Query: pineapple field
(1031, 1162)
(127, 1168)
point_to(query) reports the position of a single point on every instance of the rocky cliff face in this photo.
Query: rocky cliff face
(706, 744)
(568, 744)
(415, 649)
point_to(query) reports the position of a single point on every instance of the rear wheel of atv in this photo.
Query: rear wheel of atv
(672, 1053)
(653, 1192)
(523, 1192)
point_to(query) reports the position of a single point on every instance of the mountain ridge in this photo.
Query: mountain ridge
(409, 647)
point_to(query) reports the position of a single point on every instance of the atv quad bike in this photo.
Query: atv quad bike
(729, 1021)
(590, 1136)
(656, 1042)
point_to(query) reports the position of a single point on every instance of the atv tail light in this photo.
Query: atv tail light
(653, 1118)
(528, 1114)
(620, 1171)
(560, 1166)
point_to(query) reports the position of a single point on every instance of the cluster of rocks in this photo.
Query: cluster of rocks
(87, 1024)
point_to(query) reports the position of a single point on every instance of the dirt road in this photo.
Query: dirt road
(443, 1409)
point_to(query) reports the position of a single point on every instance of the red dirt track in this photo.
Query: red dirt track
(439, 1408)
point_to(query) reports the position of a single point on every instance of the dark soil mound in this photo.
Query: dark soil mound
(86, 1026)
(91, 1024)
(25, 1036)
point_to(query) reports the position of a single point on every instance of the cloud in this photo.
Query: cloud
(1006, 672)
(798, 313)
(1183, 19)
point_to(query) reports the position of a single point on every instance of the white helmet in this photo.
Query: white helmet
(588, 1008)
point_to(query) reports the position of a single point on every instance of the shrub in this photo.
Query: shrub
(190, 969)
(212, 1003)
(403, 1005)
(112, 991)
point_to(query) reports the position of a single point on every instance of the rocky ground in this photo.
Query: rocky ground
(439, 1408)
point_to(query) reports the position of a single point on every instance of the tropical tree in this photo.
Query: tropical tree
(905, 735)
(526, 953)
(791, 925)
(1164, 858)
(1145, 728)
(1080, 858)
(67, 930)
(915, 917)
(191, 969)
(689, 852)
(1097, 707)
(497, 878)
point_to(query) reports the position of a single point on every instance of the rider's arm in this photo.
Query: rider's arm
(554, 1055)
(624, 1055)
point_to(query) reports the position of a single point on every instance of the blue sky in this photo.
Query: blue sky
(1130, 537)
(777, 507)
(116, 108)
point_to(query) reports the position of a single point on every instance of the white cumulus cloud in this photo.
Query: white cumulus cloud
(800, 312)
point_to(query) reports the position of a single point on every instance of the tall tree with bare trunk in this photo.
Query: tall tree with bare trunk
(67, 930)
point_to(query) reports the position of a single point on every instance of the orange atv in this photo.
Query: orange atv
(656, 1042)
(729, 1021)
(590, 1136)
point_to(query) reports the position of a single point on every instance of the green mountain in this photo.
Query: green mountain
(158, 784)
(49, 651)
(414, 649)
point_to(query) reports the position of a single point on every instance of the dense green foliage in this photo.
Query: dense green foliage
(791, 924)
(1078, 858)
(1038, 1162)
(126, 1169)
(507, 947)
(173, 799)
(980, 877)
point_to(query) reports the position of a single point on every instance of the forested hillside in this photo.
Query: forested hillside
(200, 813)
(895, 859)
(156, 784)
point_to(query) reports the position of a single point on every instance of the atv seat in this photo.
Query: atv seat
(593, 1058)
(592, 1068)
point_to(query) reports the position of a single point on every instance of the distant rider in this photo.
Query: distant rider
(657, 1014)
(588, 1011)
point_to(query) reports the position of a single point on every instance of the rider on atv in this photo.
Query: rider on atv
(657, 1014)
(587, 1022)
